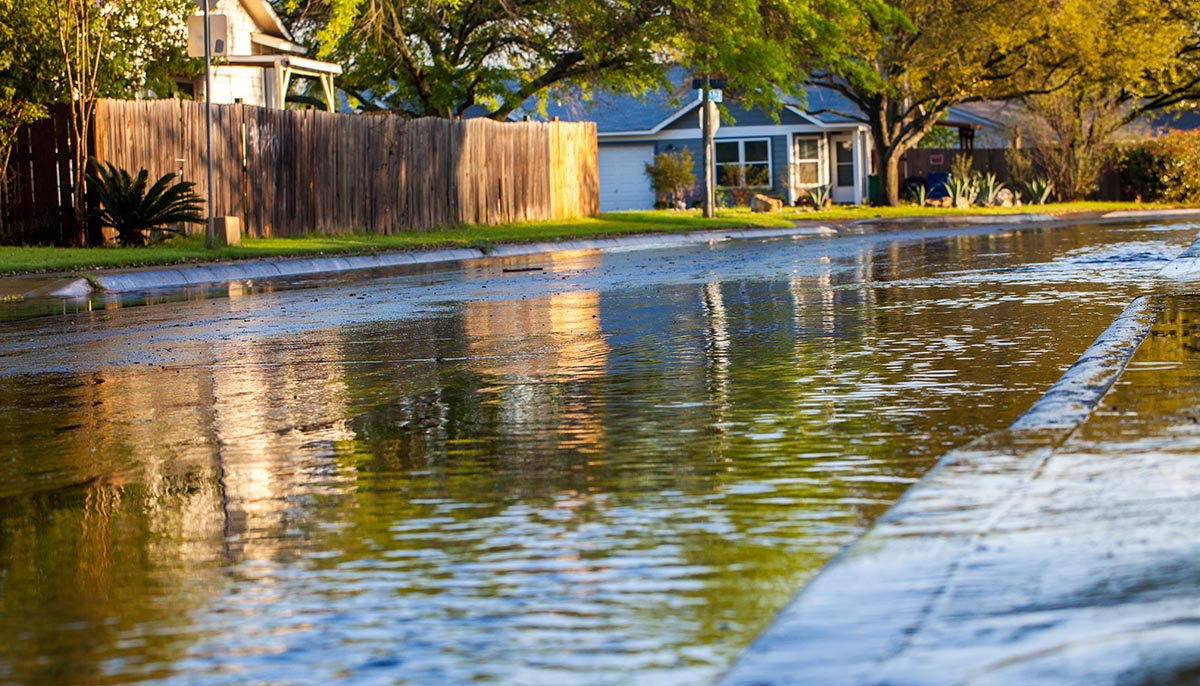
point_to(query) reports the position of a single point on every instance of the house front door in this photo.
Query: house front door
(843, 172)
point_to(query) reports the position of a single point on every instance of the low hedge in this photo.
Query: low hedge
(1163, 169)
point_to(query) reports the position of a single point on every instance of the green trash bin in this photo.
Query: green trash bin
(873, 188)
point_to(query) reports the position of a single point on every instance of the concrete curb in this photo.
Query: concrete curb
(1186, 267)
(62, 288)
(1153, 214)
(1073, 397)
(863, 619)
(958, 220)
(176, 277)
(860, 612)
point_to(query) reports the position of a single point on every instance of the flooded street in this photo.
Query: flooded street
(581, 468)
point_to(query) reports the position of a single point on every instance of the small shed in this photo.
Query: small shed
(260, 59)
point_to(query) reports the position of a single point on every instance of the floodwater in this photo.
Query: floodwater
(572, 469)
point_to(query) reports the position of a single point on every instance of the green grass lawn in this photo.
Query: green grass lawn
(15, 260)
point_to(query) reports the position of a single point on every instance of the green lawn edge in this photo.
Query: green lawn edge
(190, 250)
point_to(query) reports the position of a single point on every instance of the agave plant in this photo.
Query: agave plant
(819, 195)
(963, 191)
(1040, 190)
(920, 194)
(989, 188)
(125, 203)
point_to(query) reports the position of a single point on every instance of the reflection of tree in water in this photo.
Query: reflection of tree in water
(150, 484)
(88, 578)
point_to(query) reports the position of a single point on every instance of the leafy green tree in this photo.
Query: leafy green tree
(443, 57)
(111, 48)
(1130, 57)
(24, 46)
(75, 51)
(763, 48)
(944, 137)
(904, 75)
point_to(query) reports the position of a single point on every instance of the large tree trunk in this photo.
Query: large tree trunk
(889, 176)
(882, 118)
(80, 127)
(895, 131)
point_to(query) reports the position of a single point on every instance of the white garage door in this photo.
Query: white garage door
(623, 182)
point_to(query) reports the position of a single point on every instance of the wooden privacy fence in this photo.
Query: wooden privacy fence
(919, 161)
(286, 173)
(35, 193)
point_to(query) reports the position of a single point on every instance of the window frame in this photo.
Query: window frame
(814, 161)
(741, 148)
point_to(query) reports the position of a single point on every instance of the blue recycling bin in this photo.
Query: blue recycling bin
(935, 185)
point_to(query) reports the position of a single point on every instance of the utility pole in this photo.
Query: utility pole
(707, 126)
(210, 229)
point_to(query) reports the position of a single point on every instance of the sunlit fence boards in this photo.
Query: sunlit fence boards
(293, 172)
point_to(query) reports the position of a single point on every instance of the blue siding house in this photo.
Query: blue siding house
(783, 158)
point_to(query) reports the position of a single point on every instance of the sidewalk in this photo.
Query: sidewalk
(1062, 550)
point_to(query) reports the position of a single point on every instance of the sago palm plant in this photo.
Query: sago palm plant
(125, 203)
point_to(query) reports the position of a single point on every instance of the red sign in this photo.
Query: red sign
(937, 160)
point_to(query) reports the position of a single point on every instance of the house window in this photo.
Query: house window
(808, 161)
(743, 163)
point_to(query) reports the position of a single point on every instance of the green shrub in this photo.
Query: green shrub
(116, 200)
(1164, 169)
(963, 190)
(672, 175)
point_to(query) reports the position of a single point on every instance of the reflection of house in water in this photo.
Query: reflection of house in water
(531, 348)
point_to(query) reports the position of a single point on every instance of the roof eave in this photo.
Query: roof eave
(270, 41)
(267, 19)
(302, 64)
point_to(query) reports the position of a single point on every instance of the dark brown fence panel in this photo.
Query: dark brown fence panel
(920, 162)
(264, 148)
(423, 147)
(36, 196)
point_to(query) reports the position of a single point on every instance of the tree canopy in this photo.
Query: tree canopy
(1130, 56)
(141, 45)
(24, 46)
(903, 76)
(74, 51)
(445, 57)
